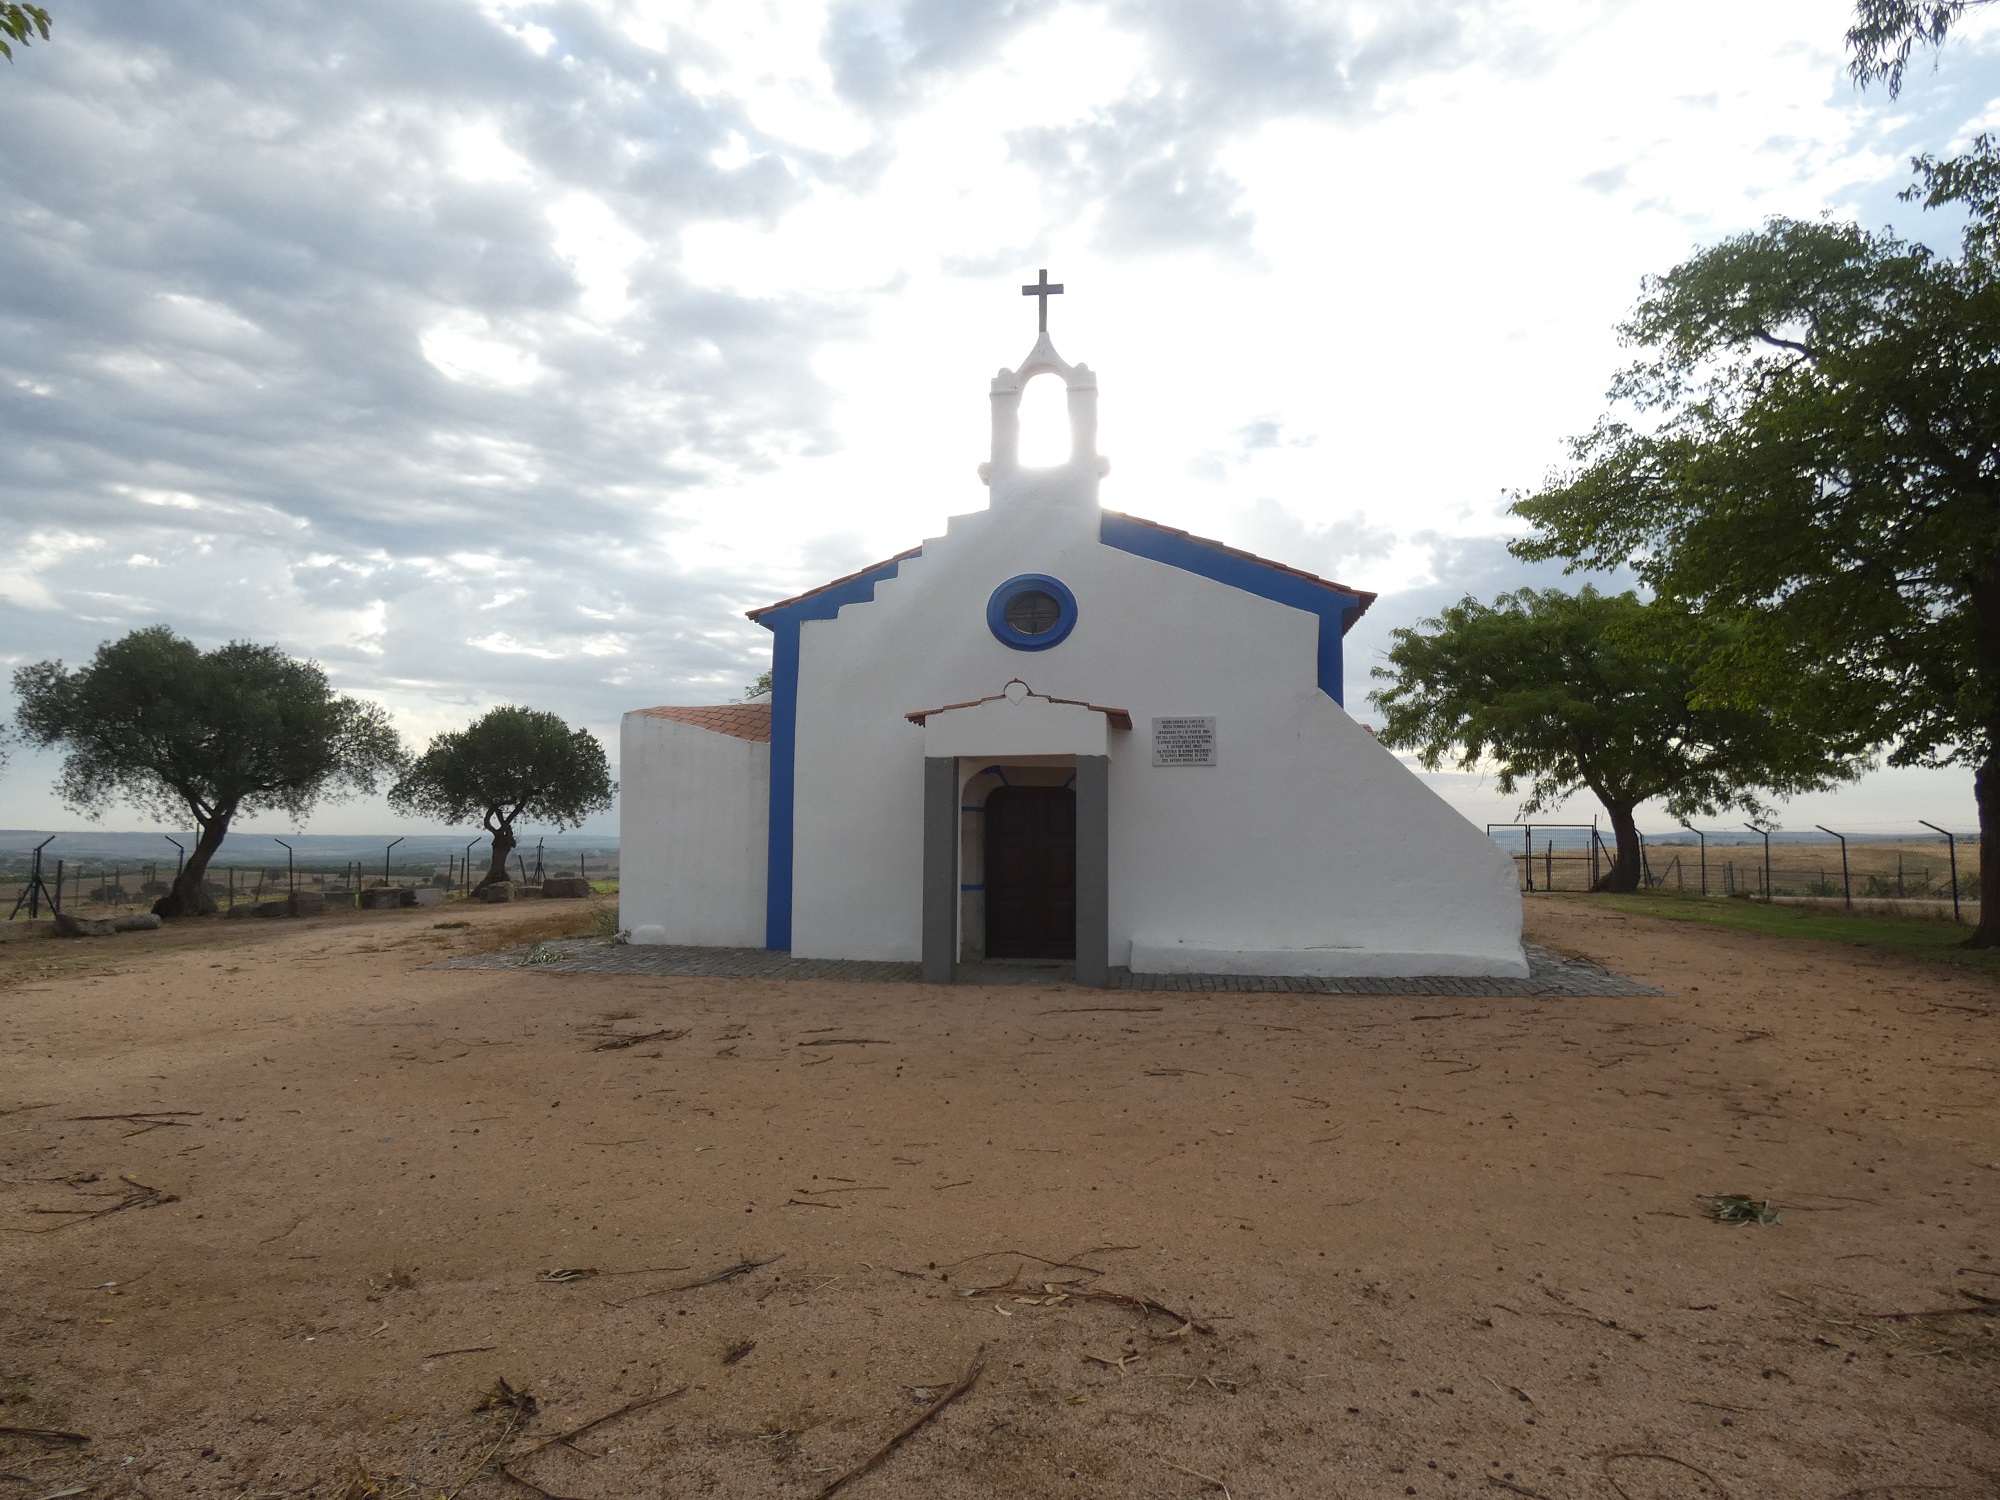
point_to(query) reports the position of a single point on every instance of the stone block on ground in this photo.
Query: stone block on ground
(386, 898)
(500, 890)
(565, 887)
(426, 895)
(307, 904)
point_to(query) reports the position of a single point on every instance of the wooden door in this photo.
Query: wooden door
(1031, 872)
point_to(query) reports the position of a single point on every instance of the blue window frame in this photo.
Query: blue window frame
(1031, 612)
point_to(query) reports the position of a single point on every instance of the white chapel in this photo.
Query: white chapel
(1057, 732)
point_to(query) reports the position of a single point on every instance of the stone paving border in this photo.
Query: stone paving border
(1549, 973)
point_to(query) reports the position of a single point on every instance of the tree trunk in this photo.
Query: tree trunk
(503, 847)
(187, 898)
(1624, 872)
(1986, 789)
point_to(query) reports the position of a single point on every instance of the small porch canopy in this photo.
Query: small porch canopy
(1018, 721)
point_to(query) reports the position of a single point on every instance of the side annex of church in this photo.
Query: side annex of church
(1057, 733)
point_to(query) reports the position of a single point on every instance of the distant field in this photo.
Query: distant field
(1914, 936)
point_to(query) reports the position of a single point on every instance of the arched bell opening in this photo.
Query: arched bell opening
(1045, 423)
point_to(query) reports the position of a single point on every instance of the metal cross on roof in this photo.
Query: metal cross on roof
(1042, 290)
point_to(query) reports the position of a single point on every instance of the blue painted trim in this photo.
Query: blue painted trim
(1335, 611)
(999, 771)
(972, 888)
(972, 809)
(784, 623)
(1007, 635)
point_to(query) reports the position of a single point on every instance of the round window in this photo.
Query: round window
(1031, 613)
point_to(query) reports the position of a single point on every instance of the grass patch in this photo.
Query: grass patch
(1918, 936)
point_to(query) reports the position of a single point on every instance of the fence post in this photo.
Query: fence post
(1765, 834)
(1846, 885)
(1528, 854)
(1951, 844)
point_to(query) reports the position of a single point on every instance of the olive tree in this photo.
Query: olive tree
(1566, 692)
(156, 722)
(509, 766)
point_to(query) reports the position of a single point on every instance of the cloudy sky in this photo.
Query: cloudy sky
(495, 352)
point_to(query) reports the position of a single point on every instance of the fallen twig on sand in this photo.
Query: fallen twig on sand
(1147, 1304)
(727, 1273)
(475, 1349)
(848, 1041)
(584, 1273)
(965, 1383)
(528, 1484)
(1977, 1310)
(619, 1043)
(1061, 1265)
(1204, 1478)
(1666, 1458)
(568, 1439)
(147, 1119)
(1520, 1489)
(141, 1196)
(514, 1420)
(48, 1434)
(1080, 1010)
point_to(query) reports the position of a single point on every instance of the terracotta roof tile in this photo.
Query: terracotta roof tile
(746, 721)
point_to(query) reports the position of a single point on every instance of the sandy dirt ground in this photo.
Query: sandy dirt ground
(1291, 1245)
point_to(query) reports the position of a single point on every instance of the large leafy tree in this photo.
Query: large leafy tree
(19, 25)
(1885, 32)
(1567, 692)
(509, 766)
(1810, 449)
(176, 731)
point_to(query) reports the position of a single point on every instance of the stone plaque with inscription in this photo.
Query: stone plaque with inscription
(1184, 741)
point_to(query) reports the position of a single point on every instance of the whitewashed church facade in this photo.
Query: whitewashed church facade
(1057, 732)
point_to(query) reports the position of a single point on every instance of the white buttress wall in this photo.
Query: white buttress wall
(1308, 848)
(694, 810)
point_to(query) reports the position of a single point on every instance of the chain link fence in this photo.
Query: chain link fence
(1936, 870)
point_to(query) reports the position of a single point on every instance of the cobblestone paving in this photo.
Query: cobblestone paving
(1549, 973)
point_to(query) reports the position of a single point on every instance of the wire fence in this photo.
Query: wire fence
(1577, 856)
(46, 886)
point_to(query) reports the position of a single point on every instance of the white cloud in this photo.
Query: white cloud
(597, 322)
(465, 348)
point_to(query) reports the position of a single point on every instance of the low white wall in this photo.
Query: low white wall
(694, 813)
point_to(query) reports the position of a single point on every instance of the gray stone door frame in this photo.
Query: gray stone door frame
(1093, 870)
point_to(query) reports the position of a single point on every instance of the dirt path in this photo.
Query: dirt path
(1423, 1247)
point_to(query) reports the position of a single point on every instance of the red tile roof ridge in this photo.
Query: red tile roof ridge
(1366, 596)
(765, 609)
(744, 721)
(1118, 717)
